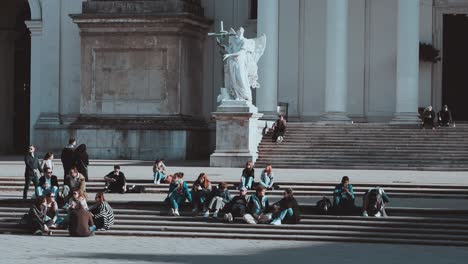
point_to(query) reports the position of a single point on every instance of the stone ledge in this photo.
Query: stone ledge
(146, 6)
(140, 123)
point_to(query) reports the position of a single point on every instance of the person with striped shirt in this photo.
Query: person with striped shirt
(103, 215)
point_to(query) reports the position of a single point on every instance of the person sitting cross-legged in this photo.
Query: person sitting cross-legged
(343, 195)
(116, 181)
(178, 193)
(286, 210)
(237, 207)
(40, 222)
(81, 222)
(258, 207)
(47, 183)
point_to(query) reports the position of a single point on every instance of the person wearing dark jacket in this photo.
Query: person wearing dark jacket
(116, 181)
(47, 183)
(428, 117)
(221, 197)
(81, 160)
(237, 207)
(67, 156)
(279, 128)
(343, 195)
(258, 207)
(81, 222)
(444, 117)
(286, 210)
(32, 170)
(40, 222)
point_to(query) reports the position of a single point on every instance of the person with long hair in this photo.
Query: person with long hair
(248, 175)
(77, 197)
(286, 210)
(178, 193)
(81, 160)
(266, 180)
(47, 162)
(159, 171)
(81, 222)
(103, 215)
(40, 222)
(201, 191)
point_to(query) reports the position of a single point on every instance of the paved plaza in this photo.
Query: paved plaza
(103, 250)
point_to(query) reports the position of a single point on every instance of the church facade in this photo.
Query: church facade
(329, 60)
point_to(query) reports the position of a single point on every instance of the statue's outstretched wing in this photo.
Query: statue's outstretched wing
(260, 44)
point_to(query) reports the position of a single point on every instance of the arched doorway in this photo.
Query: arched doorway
(15, 54)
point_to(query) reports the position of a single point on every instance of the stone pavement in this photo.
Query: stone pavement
(104, 250)
(14, 166)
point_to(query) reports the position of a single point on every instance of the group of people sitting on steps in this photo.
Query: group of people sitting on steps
(444, 117)
(206, 199)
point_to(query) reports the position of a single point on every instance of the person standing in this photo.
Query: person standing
(81, 160)
(116, 181)
(47, 162)
(32, 171)
(67, 156)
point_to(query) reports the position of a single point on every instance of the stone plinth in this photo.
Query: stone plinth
(237, 134)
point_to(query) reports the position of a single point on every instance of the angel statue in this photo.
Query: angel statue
(240, 68)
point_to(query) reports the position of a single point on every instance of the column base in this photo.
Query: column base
(405, 119)
(335, 118)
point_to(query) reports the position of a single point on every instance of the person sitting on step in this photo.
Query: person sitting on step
(201, 191)
(444, 116)
(40, 222)
(47, 183)
(103, 215)
(115, 181)
(248, 175)
(74, 180)
(178, 193)
(52, 209)
(258, 207)
(81, 222)
(266, 179)
(221, 196)
(286, 210)
(374, 201)
(343, 195)
(428, 117)
(237, 207)
(159, 171)
(279, 127)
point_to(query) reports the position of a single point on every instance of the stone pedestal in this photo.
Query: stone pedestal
(237, 134)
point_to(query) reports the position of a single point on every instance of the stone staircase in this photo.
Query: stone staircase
(441, 227)
(14, 185)
(367, 146)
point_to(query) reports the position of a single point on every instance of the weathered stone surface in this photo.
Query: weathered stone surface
(237, 134)
(143, 7)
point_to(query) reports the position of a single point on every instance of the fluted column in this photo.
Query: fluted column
(336, 63)
(267, 94)
(406, 109)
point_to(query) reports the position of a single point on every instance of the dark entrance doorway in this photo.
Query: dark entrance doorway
(22, 72)
(455, 65)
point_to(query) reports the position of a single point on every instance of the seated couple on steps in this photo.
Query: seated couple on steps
(374, 200)
(266, 178)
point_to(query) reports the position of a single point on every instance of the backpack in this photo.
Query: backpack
(136, 189)
(324, 205)
(374, 201)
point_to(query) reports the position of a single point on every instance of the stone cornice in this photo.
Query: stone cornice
(35, 26)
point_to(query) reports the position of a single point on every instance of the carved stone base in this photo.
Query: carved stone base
(237, 134)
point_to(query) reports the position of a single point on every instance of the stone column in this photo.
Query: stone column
(267, 94)
(35, 27)
(7, 58)
(336, 63)
(407, 63)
